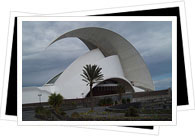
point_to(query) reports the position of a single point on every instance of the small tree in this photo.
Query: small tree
(55, 100)
(121, 90)
(92, 74)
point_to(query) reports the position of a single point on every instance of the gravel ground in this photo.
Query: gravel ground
(29, 116)
(98, 111)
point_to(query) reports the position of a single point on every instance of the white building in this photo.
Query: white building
(119, 61)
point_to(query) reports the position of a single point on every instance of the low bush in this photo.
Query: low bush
(41, 110)
(153, 111)
(90, 111)
(128, 100)
(131, 112)
(101, 102)
(42, 113)
(105, 102)
(115, 102)
(109, 101)
(63, 113)
(75, 115)
(124, 101)
(73, 104)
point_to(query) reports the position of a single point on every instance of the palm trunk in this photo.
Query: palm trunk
(91, 97)
(120, 98)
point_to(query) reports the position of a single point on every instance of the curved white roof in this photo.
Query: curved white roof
(70, 83)
(111, 43)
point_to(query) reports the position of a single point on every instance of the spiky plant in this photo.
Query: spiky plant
(55, 100)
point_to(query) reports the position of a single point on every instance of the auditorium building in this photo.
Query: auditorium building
(121, 64)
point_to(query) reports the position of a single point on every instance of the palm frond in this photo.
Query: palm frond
(92, 74)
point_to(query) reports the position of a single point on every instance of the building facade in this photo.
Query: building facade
(120, 62)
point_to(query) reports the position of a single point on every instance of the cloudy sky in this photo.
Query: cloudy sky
(152, 39)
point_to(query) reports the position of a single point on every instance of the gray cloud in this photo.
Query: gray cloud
(163, 84)
(151, 39)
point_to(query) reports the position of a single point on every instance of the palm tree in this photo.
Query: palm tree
(55, 100)
(121, 90)
(91, 75)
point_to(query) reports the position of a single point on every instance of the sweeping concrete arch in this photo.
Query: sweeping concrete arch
(111, 43)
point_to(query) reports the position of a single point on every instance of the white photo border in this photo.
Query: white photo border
(154, 131)
(97, 123)
(14, 14)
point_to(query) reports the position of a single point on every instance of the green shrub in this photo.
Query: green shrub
(124, 101)
(75, 115)
(90, 111)
(63, 113)
(101, 102)
(105, 102)
(74, 104)
(115, 102)
(39, 109)
(55, 100)
(152, 111)
(128, 100)
(131, 112)
(41, 112)
(109, 101)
